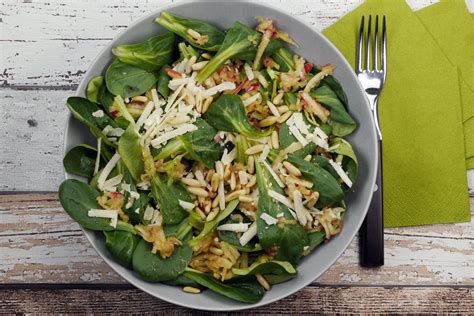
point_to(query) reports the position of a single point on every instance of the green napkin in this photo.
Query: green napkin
(424, 167)
(452, 27)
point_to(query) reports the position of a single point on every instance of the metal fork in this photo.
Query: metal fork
(372, 77)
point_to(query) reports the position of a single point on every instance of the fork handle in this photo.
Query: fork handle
(371, 233)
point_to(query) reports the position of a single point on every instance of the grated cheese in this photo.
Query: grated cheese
(98, 113)
(251, 99)
(249, 234)
(148, 214)
(116, 132)
(186, 205)
(274, 175)
(281, 198)
(183, 129)
(320, 133)
(319, 142)
(295, 132)
(112, 214)
(248, 72)
(145, 114)
(221, 194)
(97, 158)
(268, 219)
(219, 88)
(237, 227)
(109, 185)
(264, 154)
(243, 177)
(227, 158)
(107, 170)
(200, 178)
(300, 123)
(341, 173)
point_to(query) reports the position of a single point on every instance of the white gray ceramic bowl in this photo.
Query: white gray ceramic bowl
(315, 48)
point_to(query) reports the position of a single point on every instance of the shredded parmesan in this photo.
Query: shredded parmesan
(107, 170)
(265, 152)
(219, 88)
(295, 132)
(341, 173)
(237, 227)
(145, 114)
(183, 129)
(281, 198)
(221, 194)
(299, 208)
(274, 175)
(112, 214)
(110, 184)
(98, 113)
(200, 178)
(227, 158)
(243, 177)
(320, 133)
(248, 72)
(249, 234)
(186, 205)
(252, 99)
(97, 158)
(268, 219)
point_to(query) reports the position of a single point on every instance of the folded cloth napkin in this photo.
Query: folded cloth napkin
(425, 179)
(452, 27)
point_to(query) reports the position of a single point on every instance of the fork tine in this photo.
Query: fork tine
(375, 50)
(384, 48)
(367, 45)
(358, 62)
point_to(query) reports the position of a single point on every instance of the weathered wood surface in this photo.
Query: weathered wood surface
(39, 243)
(310, 300)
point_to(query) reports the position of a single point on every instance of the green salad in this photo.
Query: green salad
(220, 160)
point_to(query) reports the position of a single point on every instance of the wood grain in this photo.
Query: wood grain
(310, 300)
(39, 243)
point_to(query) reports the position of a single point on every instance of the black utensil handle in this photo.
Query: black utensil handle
(371, 234)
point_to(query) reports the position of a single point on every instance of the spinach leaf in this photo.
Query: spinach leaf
(211, 37)
(240, 42)
(181, 280)
(340, 120)
(315, 239)
(198, 145)
(210, 226)
(154, 268)
(167, 194)
(279, 278)
(128, 81)
(246, 291)
(82, 110)
(80, 160)
(105, 98)
(290, 99)
(140, 203)
(121, 245)
(285, 137)
(329, 188)
(284, 58)
(242, 145)
(77, 198)
(162, 84)
(272, 47)
(149, 55)
(131, 152)
(187, 51)
(289, 238)
(227, 113)
(349, 161)
(269, 267)
(323, 162)
(93, 88)
(232, 238)
(335, 86)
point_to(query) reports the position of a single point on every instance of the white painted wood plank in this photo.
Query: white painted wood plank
(52, 43)
(39, 243)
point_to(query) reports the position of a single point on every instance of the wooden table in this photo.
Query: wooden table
(46, 264)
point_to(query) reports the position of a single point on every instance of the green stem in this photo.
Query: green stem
(125, 227)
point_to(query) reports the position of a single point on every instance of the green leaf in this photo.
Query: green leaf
(269, 267)
(329, 188)
(289, 238)
(131, 152)
(105, 98)
(198, 145)
(315, 239)
(82, 110)
(340, 120)
(285, 137)
(162, 84)
(284, 58)
(242, 145)
(121, 245)
(149, 55)
(93, 88)
(240, 41)
(152, 267)
(210, 226)
(80, 160)
(278, 278)
(180, 26)
(335, 86)
(128, 81)
(77, 198)
(187, 51)
(227, 113)
(140, 203)
(167, 194)
(349, 161)
(181, 280)
(246, 291)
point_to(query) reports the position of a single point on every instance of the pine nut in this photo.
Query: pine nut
(191, 182)
(206, 104)
(284, 117)
(192, 290)
(193, 33)
(292, 169)
(206, 55)
(190, 63)
(251, 165)
(275, 141)
(200, 177)
(215, 202)
(200, 213)
(255, 149)
(273, 109)
(140, 98)
(269, 120)
(216, 251)
(197, 191)
(220, 169)
(308, 158)
(283, 109)
(214, 182)
(209, 175)
(252, 182)
(245, 199)
(207, 207)
(199, 65)
(277, 99)
(262, 281)
(212, 215)
(234, 195)
(233, 181)
(262, 80)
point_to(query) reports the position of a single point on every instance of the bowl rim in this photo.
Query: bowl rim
(304, 283)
